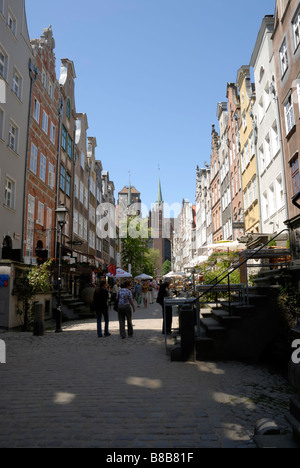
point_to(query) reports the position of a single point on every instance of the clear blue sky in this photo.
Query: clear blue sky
(149, 76)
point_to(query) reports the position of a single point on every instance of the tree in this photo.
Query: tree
(166, 267)
(151, 262)
(134, 243)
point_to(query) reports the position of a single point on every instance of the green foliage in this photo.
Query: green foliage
(134, 245)
(150, 262)
(35, 281)
(166, 267)
(216, 267)
(289, 305)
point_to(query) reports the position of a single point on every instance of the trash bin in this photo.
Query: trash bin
(187, 334)
(38, 319)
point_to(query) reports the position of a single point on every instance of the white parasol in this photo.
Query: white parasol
(120, 274)
(143, 276)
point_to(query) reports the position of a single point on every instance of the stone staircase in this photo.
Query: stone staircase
(74, 308)
(237, 331)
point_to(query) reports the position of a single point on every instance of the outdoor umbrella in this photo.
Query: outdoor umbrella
(143, 276)
(120, 274)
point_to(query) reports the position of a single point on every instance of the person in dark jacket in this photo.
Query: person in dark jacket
(101, 306)
(162, 294)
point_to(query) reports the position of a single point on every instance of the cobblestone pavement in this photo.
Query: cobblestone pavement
(76, 390)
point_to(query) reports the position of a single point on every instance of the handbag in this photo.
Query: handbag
(116, 305)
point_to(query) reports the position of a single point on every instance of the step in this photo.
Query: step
(204, 347)
(226, 319)
(213, 328)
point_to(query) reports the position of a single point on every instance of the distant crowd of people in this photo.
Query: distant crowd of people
(125, 299)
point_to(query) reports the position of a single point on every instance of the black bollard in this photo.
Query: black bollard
(38, 320)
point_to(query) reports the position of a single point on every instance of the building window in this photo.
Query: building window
(13, 137)
(296, 30)
(267, 150)
(3, 64)
(62, 178)
(244, 120)
(283, 55)
(36, 110)
(289, 114)
(33, 158)
(45, 122)
(44, 79)
(51, 90)
(261, 112)
(51, 176)
(68, 185)
(295, 175)
(10, 189)
(265, 205)
(64, 137)
(17, 84)
(272, 201)
(12, 23)
(40, 216)
(52, 133)
(70, 147)
(279, 191)
(43, 164)
(81, 191)
(274, 139)
(254, 188)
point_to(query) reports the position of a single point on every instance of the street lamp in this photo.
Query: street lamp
(61, 217)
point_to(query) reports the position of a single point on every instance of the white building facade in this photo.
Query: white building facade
(268, 146)
(15, 87)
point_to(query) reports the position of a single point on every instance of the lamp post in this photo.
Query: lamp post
(61, 217)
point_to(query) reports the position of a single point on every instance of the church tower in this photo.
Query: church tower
(160, 230)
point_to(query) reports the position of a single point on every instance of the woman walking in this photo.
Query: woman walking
(124, 310)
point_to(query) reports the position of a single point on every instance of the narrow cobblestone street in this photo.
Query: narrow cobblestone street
(76, 390)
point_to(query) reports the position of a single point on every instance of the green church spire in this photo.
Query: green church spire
(159, 194)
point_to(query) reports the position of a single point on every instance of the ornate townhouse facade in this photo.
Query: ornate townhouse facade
(40, 202)
(234, 113)
(225, 185)
(271, 174)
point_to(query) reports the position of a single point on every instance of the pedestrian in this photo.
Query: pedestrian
(101, 297)
(168, 314)
(145, 290)
(125, 300)
(151, 292)
(137, 293)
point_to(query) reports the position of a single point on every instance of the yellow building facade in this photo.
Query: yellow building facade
(248, 162)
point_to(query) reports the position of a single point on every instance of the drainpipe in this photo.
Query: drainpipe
(60, 114)
(33, 74)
